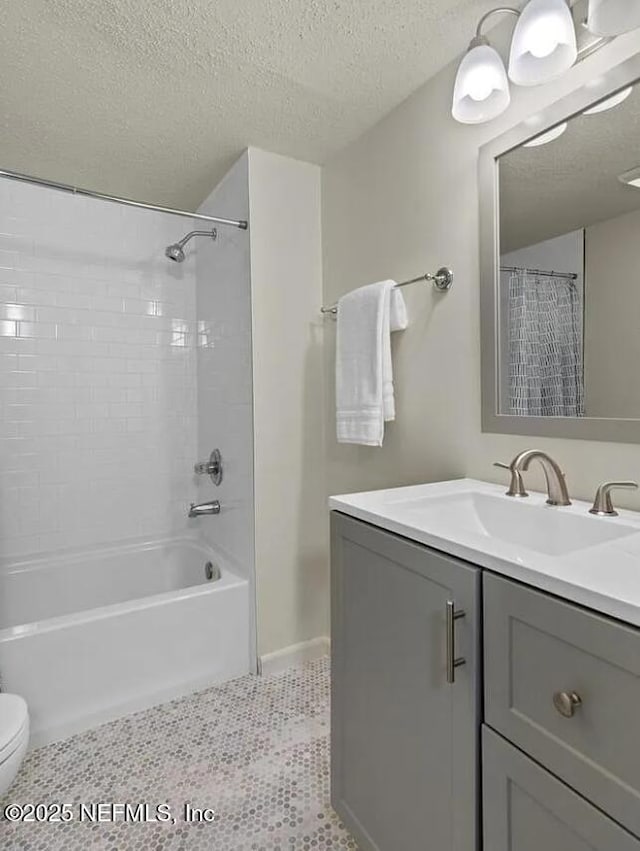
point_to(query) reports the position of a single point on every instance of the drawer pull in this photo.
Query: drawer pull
(452, 662)
(566, 702)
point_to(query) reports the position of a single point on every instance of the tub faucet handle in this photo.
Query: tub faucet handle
(212, 467)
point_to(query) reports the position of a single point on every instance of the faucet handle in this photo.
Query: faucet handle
(212, 467)
(602, 504)
(516, 485)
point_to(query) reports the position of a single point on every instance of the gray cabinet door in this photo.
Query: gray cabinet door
(405, 749)
(527, 809)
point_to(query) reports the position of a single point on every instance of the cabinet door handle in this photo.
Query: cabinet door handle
(452, 661)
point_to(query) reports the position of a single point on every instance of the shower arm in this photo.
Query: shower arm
(213, 234)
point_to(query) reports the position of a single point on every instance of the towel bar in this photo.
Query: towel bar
(442, 281)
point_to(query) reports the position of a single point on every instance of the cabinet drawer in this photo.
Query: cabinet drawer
(536, 647)
(527, 809)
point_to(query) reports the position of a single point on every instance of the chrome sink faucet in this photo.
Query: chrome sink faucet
(557, 493)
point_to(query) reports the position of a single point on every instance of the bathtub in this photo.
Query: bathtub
(89, 637)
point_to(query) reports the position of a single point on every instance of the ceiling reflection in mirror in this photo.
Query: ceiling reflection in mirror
(569, 285)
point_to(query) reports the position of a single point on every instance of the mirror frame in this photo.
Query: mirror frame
(585, 428)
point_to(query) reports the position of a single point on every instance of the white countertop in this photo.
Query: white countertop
(604, 576)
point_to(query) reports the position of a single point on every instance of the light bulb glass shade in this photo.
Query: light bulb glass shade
(613, 17)
(544, 43)
(481, 91)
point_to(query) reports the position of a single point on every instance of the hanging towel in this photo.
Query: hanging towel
(364, 373)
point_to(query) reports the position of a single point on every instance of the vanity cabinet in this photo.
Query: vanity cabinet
(405, 724)
(559, 720)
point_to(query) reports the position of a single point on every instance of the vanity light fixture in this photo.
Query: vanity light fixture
(613, 17)
(549, 136)
(544, 43)
(481, 90)
(631, 178)
(609, 103)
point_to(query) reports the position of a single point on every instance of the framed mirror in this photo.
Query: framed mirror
(560, 267)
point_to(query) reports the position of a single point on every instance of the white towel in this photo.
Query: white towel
(364, 372)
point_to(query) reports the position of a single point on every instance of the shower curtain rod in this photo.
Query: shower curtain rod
(88, 193)
(540, 272)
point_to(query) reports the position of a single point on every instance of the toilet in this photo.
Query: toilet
(14, 738)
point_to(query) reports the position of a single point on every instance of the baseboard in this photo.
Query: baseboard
(306, 651)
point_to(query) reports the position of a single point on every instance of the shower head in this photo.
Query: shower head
(175, 252)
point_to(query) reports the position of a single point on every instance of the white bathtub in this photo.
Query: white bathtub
(93, 636)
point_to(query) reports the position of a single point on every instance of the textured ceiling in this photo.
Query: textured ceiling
(154, 99)
(572, 182)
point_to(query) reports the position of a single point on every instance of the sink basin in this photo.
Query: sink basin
(541, 528)
(564, 550)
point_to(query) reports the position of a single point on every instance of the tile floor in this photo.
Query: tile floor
(255, 751)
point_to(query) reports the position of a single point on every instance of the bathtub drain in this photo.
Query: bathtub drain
(212, 571)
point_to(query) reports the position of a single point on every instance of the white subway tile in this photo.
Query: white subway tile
(41, 330)
(99, 372)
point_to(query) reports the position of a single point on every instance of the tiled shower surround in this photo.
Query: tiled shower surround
(98, 433)
(225, 392)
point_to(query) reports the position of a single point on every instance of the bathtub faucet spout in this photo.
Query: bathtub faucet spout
(204, 508)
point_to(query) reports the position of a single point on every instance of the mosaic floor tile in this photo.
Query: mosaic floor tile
(254, 752)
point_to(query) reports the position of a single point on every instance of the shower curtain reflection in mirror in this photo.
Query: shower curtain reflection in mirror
(545, 364)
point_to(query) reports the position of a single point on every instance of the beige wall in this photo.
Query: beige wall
(612, 309)
(289, 411)
(401, 200)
